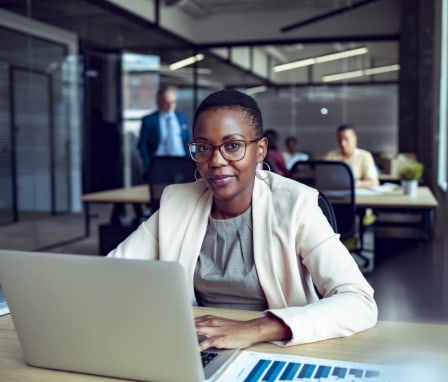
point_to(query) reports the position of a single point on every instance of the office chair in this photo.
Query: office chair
(334, 179)
(327, 209)
(165, 170)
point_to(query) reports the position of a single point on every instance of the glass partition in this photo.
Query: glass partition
(312, 115)
(442, 171)
(39, 134)
(38, 123)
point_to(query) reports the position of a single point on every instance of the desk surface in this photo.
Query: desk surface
(136, 194)
(397, 199)
(389, 199)
(383, 177)
(383, 342)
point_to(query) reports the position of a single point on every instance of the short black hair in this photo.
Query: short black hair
(272, 137)
(290, 139)
(345, 126)
(233, 99)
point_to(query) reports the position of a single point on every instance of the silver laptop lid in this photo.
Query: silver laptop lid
(123, 318)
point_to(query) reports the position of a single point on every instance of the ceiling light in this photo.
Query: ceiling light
(382, 69)
(361, 73)
(341, 55)
(320, 59)
(188, 71)
(256, 89)
(187, 61)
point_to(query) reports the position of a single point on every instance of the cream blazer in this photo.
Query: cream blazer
(295, 251)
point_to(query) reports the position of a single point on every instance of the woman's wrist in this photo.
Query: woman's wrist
(272, 328)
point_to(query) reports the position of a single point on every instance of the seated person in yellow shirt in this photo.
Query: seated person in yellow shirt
(361, 161)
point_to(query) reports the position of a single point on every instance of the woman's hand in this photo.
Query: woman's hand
(224, 333)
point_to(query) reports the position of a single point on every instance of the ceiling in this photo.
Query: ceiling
(245, 62)
(204, 8)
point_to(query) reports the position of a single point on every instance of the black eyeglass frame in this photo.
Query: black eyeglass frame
(214, 147)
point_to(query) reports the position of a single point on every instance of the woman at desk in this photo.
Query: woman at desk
(252, 239)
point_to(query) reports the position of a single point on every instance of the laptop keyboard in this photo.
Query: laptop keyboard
(207, 356)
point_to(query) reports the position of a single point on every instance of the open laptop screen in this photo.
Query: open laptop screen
(124, 318)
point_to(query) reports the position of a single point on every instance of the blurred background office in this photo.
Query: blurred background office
(77, 76)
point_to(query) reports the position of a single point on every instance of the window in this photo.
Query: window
(442, 173)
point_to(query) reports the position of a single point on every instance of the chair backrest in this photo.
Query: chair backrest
(327, 209)
(334, 179)
(166, 170)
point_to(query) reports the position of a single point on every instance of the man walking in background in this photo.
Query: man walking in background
(165, 131)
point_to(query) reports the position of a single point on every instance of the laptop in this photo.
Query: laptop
(121, 318)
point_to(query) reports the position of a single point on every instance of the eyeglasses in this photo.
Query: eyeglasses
(231, 150)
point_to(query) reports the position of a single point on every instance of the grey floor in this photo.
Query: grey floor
(410, 278)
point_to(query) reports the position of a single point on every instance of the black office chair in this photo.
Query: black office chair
(334, 179)
(327, 209)
(165, 170)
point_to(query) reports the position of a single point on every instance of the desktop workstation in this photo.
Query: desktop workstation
(117, 197)
(395, 201)
(397, 215)
(111, 234)
(386, 342)
(424, 203)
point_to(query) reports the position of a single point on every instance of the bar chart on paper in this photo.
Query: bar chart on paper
(257, 367)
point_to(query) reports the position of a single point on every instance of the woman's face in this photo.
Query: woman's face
(230, 181)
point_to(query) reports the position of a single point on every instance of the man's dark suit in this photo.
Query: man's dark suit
(149, 138)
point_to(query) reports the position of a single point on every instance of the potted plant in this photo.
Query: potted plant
(410, 174)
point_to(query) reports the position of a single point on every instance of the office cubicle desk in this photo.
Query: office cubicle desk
(112, 233)
(424, 201)
(383, 343)
(388, 178)
(395, 201)
(136, 196)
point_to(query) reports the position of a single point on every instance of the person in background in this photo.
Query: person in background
(165, 131)
(292, 155)
(252, 239)
(361, 161)
(274, 155)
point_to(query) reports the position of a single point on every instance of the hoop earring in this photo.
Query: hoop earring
(264, 164)
(197, 174)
